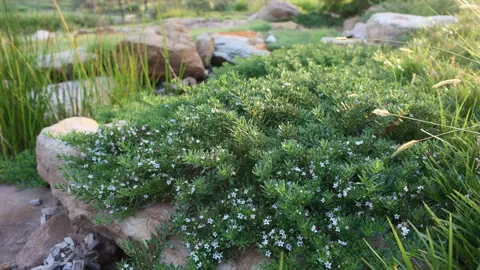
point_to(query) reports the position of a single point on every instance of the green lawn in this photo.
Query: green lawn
(287, 38)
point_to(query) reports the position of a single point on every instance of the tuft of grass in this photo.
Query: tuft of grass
(20, 170)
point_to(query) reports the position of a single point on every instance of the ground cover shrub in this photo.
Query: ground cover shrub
(318, 18)
(285, 153)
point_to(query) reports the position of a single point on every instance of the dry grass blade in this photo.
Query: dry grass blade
(447, 82)
(381, 112)
(470, 6)
(404, 147)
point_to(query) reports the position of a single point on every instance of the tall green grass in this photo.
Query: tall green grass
(30, 97)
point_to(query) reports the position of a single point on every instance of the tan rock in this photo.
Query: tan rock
(205, 46)
(5, 266)
(151, 43)
(40, 241)
(276, 10)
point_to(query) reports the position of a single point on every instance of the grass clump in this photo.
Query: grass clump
(20, 170)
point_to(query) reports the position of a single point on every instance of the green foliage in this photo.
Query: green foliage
(318, 18)
(241, 5)
(283, 152)
(20, 170)
(145, 256)
(288, 38)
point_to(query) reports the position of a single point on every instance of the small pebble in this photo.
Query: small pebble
(35, 202)
(43, 219)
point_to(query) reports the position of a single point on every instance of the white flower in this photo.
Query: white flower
(328, 265)
(210, 221)
(405, 231)
(314, 229)
(145, 196)
(405, 189)
(266, 221)
(268, 253)
(90, 176)
(217, 256)
(360, 142)
(396, 216)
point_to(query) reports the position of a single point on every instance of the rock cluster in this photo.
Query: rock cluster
(67, 255)
(276, 10)
(151, 45)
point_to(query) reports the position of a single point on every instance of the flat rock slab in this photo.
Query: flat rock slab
(18, 219)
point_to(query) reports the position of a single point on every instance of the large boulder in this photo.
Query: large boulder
(82, 215)
(390, 27)
(151, 43)
(68, 98)
(205, 46)
(229, 45)
(276, 10)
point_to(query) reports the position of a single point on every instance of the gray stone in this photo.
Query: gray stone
(49, 260)
(35, 202)
(358, 31)
(43, 219)
(90, 241)
(69, 241)
(78, 265)
(50, 211)
(62, 245)
(228, 46)
(55, 252)
(388, 27)
(68, 266)
(276, 11)
(271, 39)
(205, 44)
